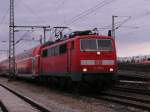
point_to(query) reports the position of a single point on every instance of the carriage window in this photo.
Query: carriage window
(49, 52)
(104, 44)
(45, 53)
(72, 45)
(56, 51)
(63, 48)
(52, 51)
(88, 45)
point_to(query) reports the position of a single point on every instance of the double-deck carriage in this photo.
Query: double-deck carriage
(4, 67)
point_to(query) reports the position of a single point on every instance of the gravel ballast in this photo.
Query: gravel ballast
(62, 102)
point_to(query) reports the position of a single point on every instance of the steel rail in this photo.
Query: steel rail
(26, 99)
(124, 101)
(132, 90)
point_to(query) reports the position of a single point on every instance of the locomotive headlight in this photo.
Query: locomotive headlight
(84, 69)
(111, 69)
(98, 53)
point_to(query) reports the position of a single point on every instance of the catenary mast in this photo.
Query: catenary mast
(12, 70)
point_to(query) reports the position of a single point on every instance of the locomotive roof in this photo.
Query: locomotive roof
(74, 35)
(70, 39)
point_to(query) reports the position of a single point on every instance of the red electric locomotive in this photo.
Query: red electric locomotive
(82, 56)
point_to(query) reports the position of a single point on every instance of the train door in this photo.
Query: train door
(42, 61)
(68, 59)
(70, 52)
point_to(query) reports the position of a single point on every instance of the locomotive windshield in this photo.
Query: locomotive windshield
(96, 45)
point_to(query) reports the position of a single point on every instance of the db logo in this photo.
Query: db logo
(98, 62)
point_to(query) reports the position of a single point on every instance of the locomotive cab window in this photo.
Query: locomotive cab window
(96, 45)
(44, 53)
(104, 44)
(88, 45)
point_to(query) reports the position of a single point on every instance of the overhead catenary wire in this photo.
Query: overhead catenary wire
(4, 17)
(88, 11)
(123, 22)
(134, 18)
(33, 12)
(139, 16)
(22, 37)
(129, 27)
(25, 39)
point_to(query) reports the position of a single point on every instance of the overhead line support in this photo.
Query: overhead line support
(41, 27)
(113, 26)
(12, 70)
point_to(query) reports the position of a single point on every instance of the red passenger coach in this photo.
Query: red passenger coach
(28, 62)
(4, 67)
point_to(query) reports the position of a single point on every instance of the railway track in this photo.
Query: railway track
(2, 107)
(125, 100)
(133, 78)
(127, 96)
(134, 67)
(132, 90)
(123, 95)
(136, 72)
(34, 104)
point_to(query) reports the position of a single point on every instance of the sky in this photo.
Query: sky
(132, 35)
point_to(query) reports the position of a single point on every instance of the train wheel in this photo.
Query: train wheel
(68, 84)
(63, 83)
(79, 87)
(36, 79)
